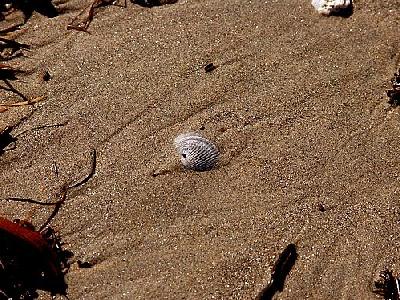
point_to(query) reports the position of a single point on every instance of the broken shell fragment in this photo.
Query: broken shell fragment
(196, 152)
(328, 7)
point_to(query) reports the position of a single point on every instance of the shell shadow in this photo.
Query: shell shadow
(344, 13)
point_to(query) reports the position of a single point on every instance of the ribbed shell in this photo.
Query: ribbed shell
(196, 152)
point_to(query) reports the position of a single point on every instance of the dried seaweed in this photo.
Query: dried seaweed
(10, 49)
(27, 7)
(388, 286)
(82, 21)
(7, 74)
(31, 260)
(279, 272)
(394, 93)
(6, 139)
(24, 103)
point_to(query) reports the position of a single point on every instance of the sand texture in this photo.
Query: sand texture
(297, 106)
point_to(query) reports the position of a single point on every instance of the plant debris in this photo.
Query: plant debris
(279, 272)
(10, 49)
(84, 264)
(82, 21)
(394, 93)
(151, 3)
(9, 73)
(6, 139)
(43, 127)
(24, 103)
(321, 207)
(31, 259)
(210, 67)
(5, 106)
(388, 286)
(44, 7)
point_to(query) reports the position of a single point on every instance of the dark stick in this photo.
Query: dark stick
(43, 127)
(14, 44)
(11, 29)
(279, 272)
(90, 175)
(31, 201)
(65, 190)
(55, 210)
(63, 194)
(12, 89)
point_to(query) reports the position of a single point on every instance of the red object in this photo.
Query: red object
(34, 242)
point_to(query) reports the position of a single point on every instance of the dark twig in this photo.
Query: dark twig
(12, 89)
(11, 28)
(17, 199)
(43, 127)
(84, 24)
(90, 175)
(7, 43)
(151, 3)
(55, 210)
(62, 195)
(279, 272)
(65, 190)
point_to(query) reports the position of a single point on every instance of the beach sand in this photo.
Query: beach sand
(297, 106)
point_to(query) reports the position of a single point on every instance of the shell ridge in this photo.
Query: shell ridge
(196, 152)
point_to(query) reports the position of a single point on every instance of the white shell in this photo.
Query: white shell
(196, 152)
(327, 7)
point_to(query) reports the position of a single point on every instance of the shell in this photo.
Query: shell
(327, 7)
(196, 152)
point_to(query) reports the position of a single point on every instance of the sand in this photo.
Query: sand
(297, 106)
